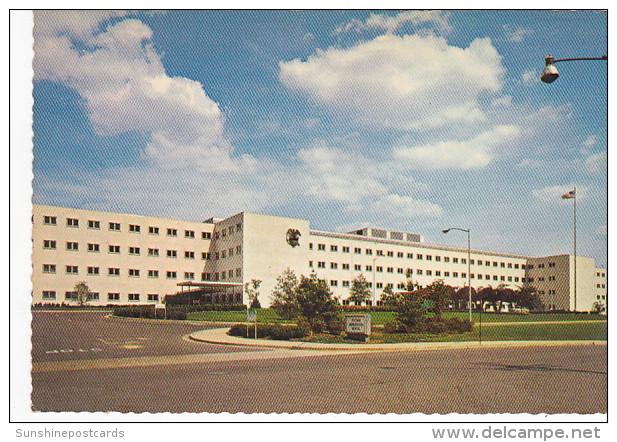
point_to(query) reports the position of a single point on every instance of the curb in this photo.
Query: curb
(220, 336)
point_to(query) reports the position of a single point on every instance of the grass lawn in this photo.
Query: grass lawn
(564, 331)
(265, 315)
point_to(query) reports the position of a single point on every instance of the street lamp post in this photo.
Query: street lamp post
(550, 74)
(468, 262)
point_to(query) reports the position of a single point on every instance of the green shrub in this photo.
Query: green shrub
(176, 314)
(270, 331)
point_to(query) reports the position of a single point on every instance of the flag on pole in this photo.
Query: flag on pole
(571, 194)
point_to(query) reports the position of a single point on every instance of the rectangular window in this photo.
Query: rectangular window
(172, 232)
(70, 295)
(419, 272)
(464, 275)
(189, 234)
(437, 273)
(333, 248)
(345, 249)
(171, 275)
(49, 268)
(410, 256)
(310, 246)
(189, 275)
(345, 266)
(49, 220)
(321, 265)
(134, 228)
(72, 270)
(516, 266)
(479, 276)
(464, 261)
(357, 267)
(238, 272)
(134, 251)
(231, 251)
(189, 255)
(93, 271)
(429, 257)
(379, 252)
(419, 256)
(134, 273)
(379, 269)
(50, 244)
(153, 252)
(93, 224)
(345, 283)
(206, 235)
(479, 262)
(72, 246)
(153, 297)
(223, 254)
(369, 268)
(390, 254)
(134, 297)
(369, 251)
(400, 270)
(472, 262)
(113, 296)
(390, 269)
(321, 247)
(333, 265)
(153, 230)
(429, 273)
(502, 265)
(49, 294)
(153, 273)
(113, 271)
(455, 261)
(172, 253)
(400, 255)
(238, 227)
(446, 259)
(438, 258)
(114, 227)
(238, 250)
(357, 250)
(93, 248)
(72, 222)
(333, 283)
(206, 256)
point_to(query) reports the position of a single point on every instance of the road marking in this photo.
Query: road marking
(149, 361)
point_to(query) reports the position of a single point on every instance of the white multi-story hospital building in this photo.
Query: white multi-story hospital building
(128, 259)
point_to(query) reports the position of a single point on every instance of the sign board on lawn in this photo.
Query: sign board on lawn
(251, 315)
(358, 324)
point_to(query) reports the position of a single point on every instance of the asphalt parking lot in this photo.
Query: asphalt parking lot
(149, 366)
(61, 336)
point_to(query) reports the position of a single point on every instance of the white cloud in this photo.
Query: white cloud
(125, 87)
(517, 35)
(411, 82)
(597, 163)
(438, 20)
(590, 141)
(468, 154)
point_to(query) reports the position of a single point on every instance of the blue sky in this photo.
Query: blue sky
(406, 120)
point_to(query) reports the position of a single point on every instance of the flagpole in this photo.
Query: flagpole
(575, 248)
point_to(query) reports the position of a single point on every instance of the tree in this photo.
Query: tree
(527, 297)
(284, 301)
(461, 297)
(360, 291)
(439, 294)
(490, 295)
(409, 308)
(250, 288)
(316, 304)
(387, 297)
(82, 293)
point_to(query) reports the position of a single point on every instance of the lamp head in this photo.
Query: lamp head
(549, 74)
(446, 230)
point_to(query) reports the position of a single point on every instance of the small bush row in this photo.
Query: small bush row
(366, 308)
(55, 306)
(271, 331)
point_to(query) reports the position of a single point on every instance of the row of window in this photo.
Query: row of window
(50, 244)
(51, 295)
(420, 256)
(136, 273)
(133, 228)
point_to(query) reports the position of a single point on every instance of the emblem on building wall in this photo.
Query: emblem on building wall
(293, 237)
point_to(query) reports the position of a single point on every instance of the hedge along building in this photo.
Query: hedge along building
(128, 259)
